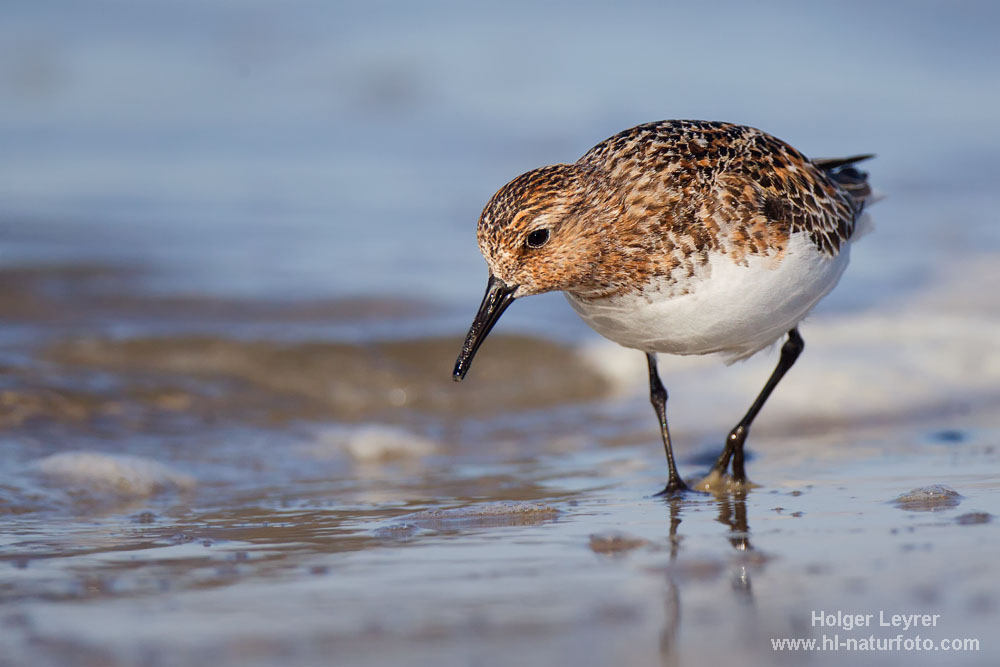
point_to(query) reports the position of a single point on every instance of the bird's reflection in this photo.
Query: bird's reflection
(672, 613)
(732, 512)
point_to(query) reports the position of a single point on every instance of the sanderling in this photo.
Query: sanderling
(681, 237)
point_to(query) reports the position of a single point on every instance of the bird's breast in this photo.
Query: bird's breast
(734, 308)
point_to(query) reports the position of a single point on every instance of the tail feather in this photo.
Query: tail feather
(853, 180)
(827, 163)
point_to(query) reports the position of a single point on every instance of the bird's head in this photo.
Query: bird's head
(536, 233)
(539, 233)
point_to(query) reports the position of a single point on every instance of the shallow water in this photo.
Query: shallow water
(180, 499)
(238, 262)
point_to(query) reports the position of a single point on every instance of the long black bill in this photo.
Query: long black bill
(499, 295)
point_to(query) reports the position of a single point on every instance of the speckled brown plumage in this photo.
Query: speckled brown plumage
(655, 201)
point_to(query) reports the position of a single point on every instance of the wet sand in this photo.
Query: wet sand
(179, 499)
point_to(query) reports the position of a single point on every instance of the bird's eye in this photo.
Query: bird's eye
(537, 238)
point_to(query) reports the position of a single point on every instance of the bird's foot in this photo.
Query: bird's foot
(674, 487)
(721, 482)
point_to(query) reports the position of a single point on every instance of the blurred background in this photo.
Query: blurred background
(303, 150)
(237, 257)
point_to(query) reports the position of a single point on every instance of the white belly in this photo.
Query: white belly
(729, 309)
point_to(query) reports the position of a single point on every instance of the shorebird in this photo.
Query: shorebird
(678, 237)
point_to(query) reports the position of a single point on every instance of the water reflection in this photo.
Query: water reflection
(672, 611)
(732, 512)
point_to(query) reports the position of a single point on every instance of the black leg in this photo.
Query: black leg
(790, 351)
(658, 397)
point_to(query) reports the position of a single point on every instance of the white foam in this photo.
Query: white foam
(370, 443)
(624, 369)
(112, 475)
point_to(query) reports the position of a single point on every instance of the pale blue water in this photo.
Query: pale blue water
(319, 149)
